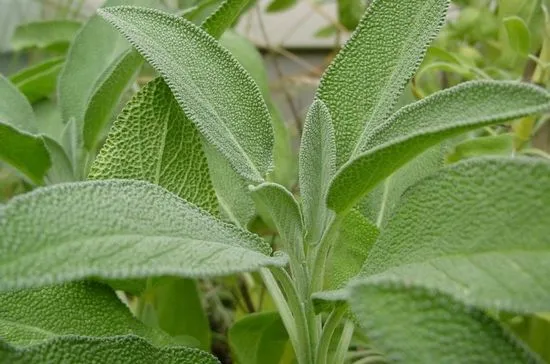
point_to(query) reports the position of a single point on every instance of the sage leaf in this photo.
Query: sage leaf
(187, 57)
(28, 317)
(14, 108)
(415, 325)
(39, 81)
(317, 163)
(366, 78)
(420, 125)
(349, 12)
(152, 140)
(50, 34)
(502, 144)
(82, 349)
(486, 246)
(222, 18)
(258, 338)
(101, 238)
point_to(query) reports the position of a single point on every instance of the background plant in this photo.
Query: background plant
(181, 157)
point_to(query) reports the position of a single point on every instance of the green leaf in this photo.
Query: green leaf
(61, 169)
(477, 231)
(365, 80)
(325, 32)
(29, 317)
(14, 108)
(153, 141)
(279, 5)
(490, 145)
(317, 167)
(51, 34)
(50, 119)
(24, 152)
(418, 126)
(208, 83)
(381, 202)
(107, 96)
(100, 239)
(222, 18)
(349, 12)
(518, 34)
(414, 325)
(350, 250)
(38, 81)
(84, 350)
(176, 307)
(259, 338)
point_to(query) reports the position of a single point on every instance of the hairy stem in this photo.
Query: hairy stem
(330, 326)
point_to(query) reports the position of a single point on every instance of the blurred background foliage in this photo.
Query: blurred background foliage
(482, 39)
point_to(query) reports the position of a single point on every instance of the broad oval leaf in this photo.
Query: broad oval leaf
(213, 89)
(317, 167)
(84, 350)
(14, 108)
(125, 230)
(365, 80)
(28, 317)
(477, 231)
(413, 325)
(153, 141)
(418, 126)
(49, 34)
(38, 82)
(519, 35)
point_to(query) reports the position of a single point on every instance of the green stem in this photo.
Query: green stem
(330, 326)
(321, 252)
(341, 350)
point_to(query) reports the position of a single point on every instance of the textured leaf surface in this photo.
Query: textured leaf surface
(25, 152)
(14, 107)
(214, 91)
(502, 144)
(367, 77)
(125, 230)
(413, 325)
(317, 167)
(418, 126)
(61, 169)
(38, 82)
(45, 34)
(153, 141)
(350, 250)
(477, 230)
(223, 17)
(29, 317)
(258, 338)
(117, 349)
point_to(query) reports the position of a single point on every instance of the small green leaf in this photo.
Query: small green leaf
(490, 145)
(350, 250)
(39, 81)
(414, 325)
(420, 125)
(89, 350)
(258, 338)
(107, 95)
(153, 141)
(325, 32)
(61, 169)
(213, 89)
(222, 18)
(14, 108)
(350, 12)
(29, 317)
(519, 36)
(317, 167)
(279, 5)
(100, 239)
(51, 34)
(24, 152)
(50, 119)
(365, 80)
(477, 231)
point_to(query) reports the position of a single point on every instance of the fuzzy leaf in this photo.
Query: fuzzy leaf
(317, 167)
(365, 80)
(413, 325)
(222, 18)
(259, 338)
(518, 34)
(24, 152)
(15, 110)
(349, 12)
(29, 317)
(84, 350)
(61, 169)
(478, 231)
(214, 91)
(126, 230)
(418, 126)
(153, 141)
(45, 34)
(279, 5)
(38, 82)
(502, 144)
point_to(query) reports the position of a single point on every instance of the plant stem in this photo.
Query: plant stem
(330, 326)
(341, 350)
(321, 252)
